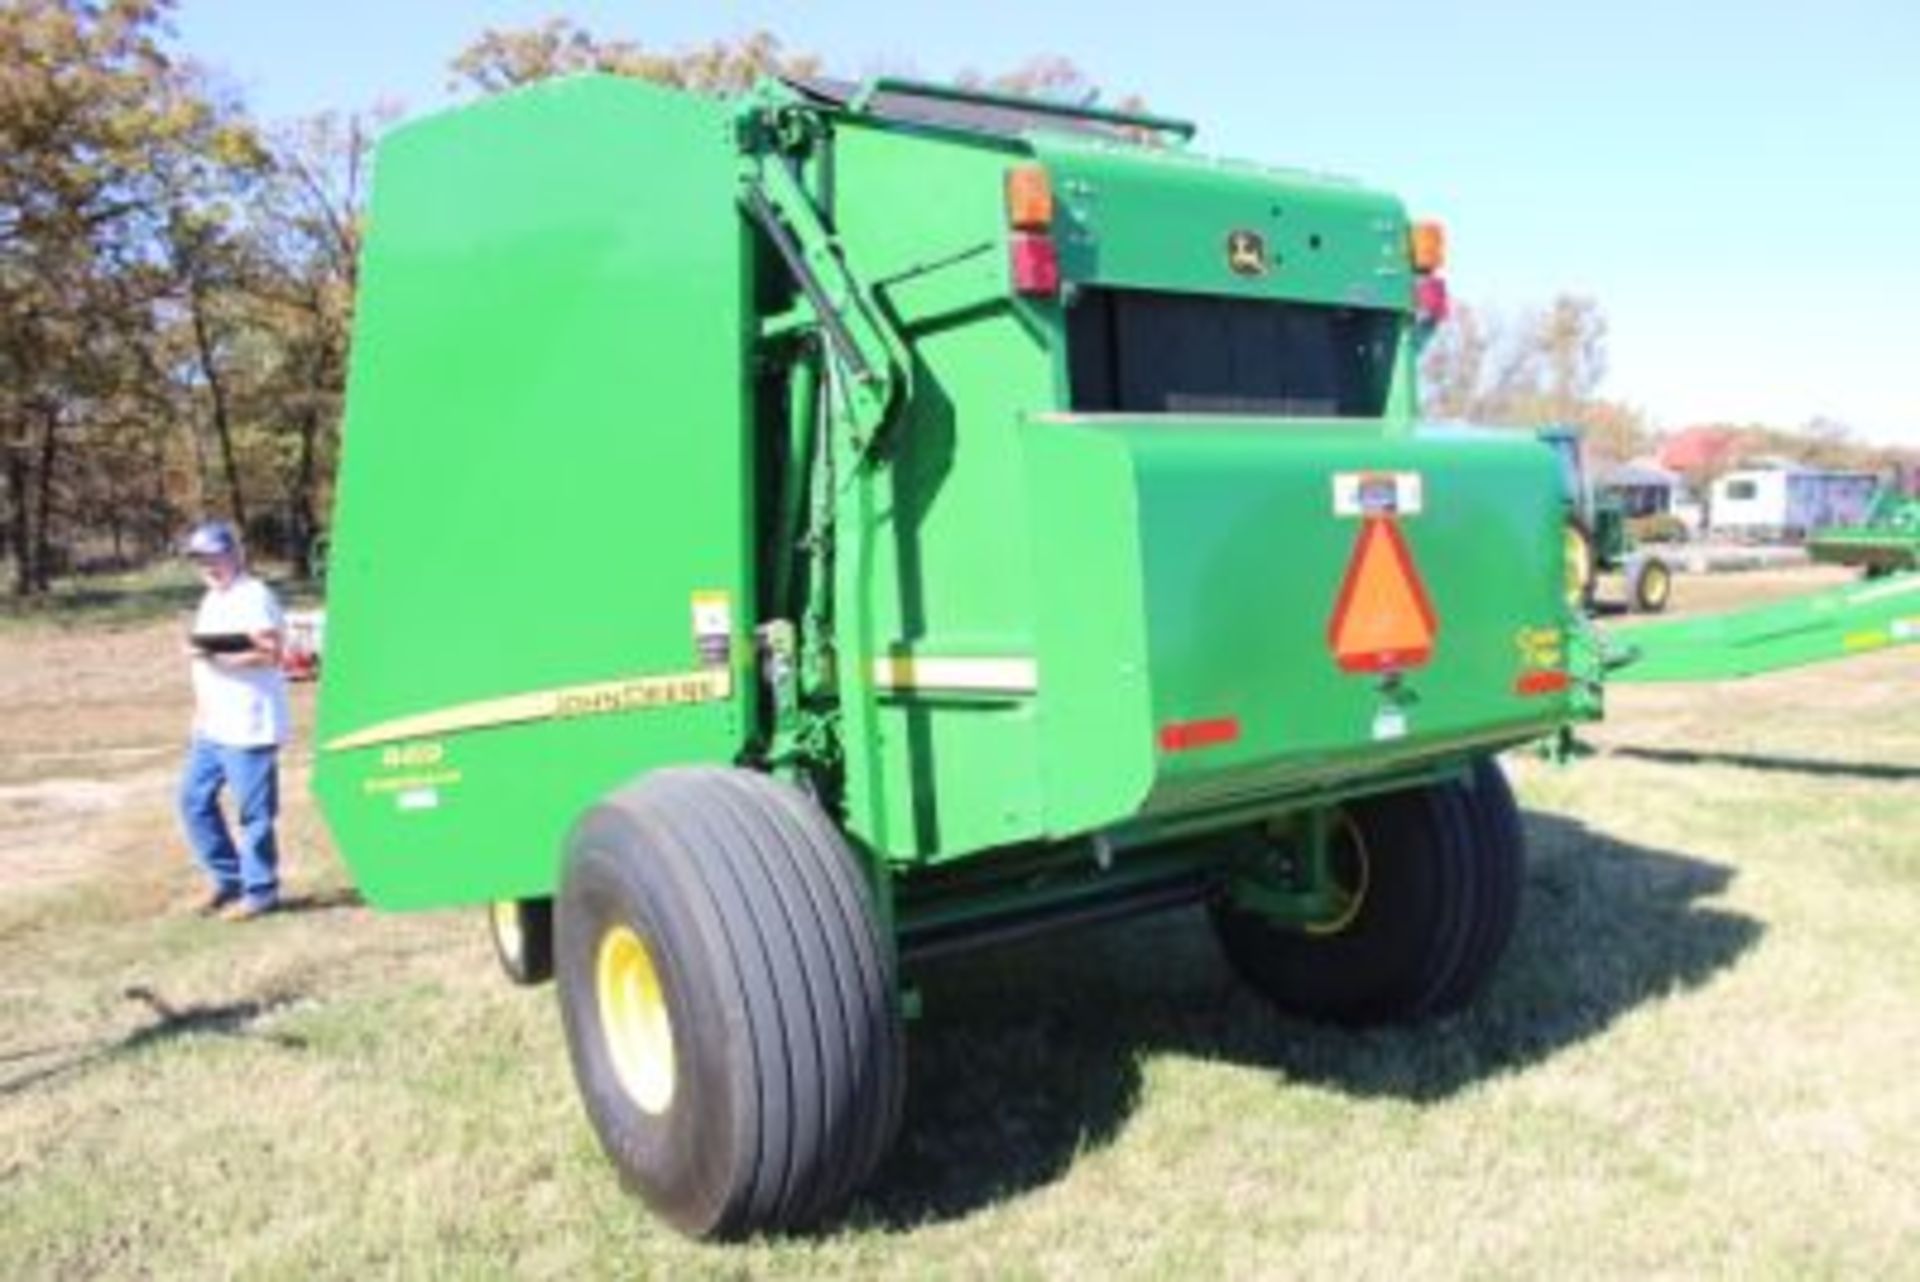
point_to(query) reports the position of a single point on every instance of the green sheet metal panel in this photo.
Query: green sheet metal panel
(1090, 618)
(934, 552)
(1841, 623)
(1146, 218)
(544, 463)
(1241, 560)
(1149, 569)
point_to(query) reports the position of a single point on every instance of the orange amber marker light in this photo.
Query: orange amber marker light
(1029, 198)
(1428, 245)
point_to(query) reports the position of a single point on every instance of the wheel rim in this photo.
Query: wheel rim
(1578, 556)
(1656, 586)
(1351, 872)
(507, 930)
(634, 1019)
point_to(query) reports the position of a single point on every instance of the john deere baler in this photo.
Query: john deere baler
(786, 538)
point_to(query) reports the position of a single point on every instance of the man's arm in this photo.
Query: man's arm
(264, 654)
(266, 628)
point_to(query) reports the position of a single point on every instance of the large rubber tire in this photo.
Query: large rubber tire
(1442, 865)
(1500, 856)
(1393, 954)
(761, 1080)
(522, 934)
(1650, 586)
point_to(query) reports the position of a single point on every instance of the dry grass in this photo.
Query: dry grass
(1699, 1058)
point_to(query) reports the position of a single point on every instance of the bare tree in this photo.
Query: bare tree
(502, 59)
(1544, 367)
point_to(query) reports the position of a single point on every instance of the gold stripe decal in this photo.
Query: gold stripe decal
(911, 673)
(602, 699)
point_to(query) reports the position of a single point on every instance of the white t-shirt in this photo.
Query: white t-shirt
(239, 707)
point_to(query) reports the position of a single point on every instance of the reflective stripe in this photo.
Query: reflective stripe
(911, 672)
(600, 699)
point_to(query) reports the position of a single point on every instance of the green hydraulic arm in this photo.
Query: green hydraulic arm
(849, 375)
(1837, 624)
(776, 133)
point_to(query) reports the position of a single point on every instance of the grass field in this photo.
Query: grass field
(1702, 1056)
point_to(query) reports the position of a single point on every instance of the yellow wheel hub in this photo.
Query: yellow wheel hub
(1659, 583)
(1577, 552)
(1352, 877)
(634, 1019)
(506, 928)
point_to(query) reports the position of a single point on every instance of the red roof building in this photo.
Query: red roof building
(1700, 449)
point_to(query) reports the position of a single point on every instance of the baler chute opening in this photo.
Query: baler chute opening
(1136, 351)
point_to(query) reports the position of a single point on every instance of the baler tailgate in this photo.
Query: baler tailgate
(1296, 629)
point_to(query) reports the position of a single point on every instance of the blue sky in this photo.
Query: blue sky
(1738, 184)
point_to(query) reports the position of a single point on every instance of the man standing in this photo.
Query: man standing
(239, 722)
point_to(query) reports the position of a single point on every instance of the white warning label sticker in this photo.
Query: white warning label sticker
(713, 629)
(1378, 494)
(1389, 723)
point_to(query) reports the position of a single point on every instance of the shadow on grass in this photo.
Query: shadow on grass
(323, 901)
(1877, 771)
(1029, 1055)
(224, 1019)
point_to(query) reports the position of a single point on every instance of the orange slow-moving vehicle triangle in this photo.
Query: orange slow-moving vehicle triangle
(1383, 620)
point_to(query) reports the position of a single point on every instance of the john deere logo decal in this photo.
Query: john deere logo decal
(1247, 253)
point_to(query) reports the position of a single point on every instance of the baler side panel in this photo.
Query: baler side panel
(1096, 714)
(933, 561)
(545, 461)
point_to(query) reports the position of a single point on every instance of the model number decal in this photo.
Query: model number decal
(412, 756)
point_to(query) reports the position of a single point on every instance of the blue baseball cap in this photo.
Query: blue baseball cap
(212, 538)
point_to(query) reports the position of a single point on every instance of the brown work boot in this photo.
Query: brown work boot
(213, 903)
(247, 909)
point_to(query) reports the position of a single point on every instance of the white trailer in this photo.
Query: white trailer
(1774, 503)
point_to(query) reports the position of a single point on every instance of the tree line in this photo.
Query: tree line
(177, 277)
(175, 287)
(1547, 365)
(177, 281)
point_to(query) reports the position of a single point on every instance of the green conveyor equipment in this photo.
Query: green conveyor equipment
(1841, 623)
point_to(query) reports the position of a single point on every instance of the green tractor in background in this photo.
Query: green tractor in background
(1597, 539)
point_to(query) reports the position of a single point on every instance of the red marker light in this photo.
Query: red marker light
(1542, 682)
(1036, 265)
(1185, 736)
(1430, 301)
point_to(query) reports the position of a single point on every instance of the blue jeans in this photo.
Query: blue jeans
(253, 774)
